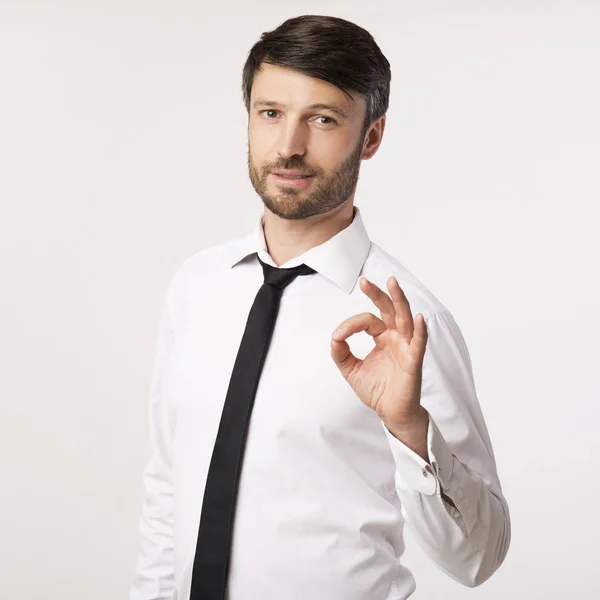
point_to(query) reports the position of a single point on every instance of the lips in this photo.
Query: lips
(294, 182)
(293, 176)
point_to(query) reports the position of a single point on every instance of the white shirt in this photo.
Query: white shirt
(325, 489)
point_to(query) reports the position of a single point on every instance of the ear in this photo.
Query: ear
(373, 138)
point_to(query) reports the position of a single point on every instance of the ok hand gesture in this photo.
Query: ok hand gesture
(388, 379)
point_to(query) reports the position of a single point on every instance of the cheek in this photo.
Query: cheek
(260, 150)
(329, 154)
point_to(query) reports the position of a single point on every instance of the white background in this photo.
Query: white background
(123, 151)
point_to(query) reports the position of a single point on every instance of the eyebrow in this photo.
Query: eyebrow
(335, 108)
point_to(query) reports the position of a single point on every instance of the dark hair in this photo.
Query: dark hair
(328, 48)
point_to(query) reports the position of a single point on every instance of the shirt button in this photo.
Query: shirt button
(425, 472)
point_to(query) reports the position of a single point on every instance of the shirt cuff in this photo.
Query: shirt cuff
(417, 475)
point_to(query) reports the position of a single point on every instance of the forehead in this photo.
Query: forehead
(296, 90)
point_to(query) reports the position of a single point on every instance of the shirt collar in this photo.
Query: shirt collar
(340, 258)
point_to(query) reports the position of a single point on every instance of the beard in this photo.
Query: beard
(324, 193)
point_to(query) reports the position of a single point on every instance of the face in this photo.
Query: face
(285, 134)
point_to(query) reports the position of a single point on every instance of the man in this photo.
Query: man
(340, 452)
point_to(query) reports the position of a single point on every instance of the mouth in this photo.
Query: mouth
(292, 180)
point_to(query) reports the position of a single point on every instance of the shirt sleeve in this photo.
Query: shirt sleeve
(154, 575)
(469, 540)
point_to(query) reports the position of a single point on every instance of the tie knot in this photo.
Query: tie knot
(280, 278)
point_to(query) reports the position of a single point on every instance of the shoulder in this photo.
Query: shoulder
(380, 265)
(202, 268)
(446, 340)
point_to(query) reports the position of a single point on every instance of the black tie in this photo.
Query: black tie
(211, 562)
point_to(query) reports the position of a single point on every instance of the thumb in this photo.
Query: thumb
(343, 358)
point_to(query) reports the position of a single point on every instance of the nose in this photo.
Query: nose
(292, 140)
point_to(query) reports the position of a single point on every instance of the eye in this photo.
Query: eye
(331, 121)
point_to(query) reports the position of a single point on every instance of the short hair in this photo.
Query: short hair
(328, 48)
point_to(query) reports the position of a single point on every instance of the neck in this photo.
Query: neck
(287, 238)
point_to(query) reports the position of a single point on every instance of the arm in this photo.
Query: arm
(446, 475)
(154, 578)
